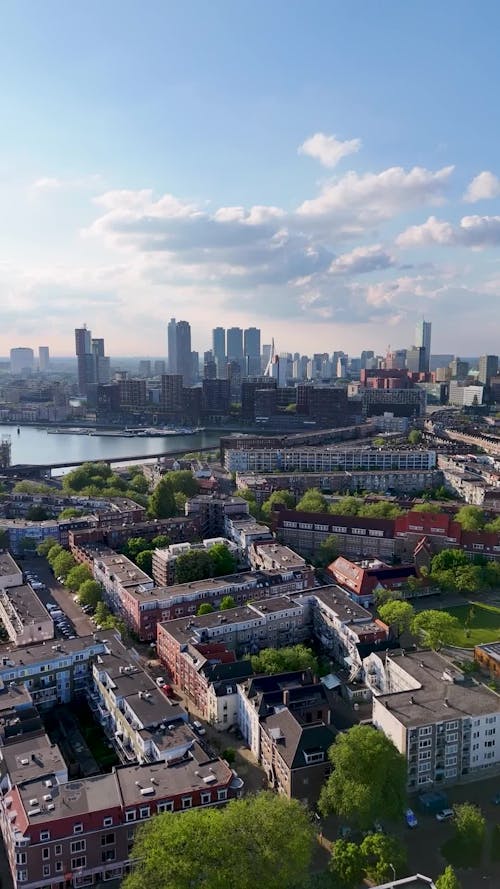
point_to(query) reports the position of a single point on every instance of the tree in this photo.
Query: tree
(139, 483)
(77, 576)
(436, 627)
(160, 541)
(398, 615)
(182, 481)
(53, 552)
(86, 476)
(347, 864)
(193, 565)
(368, 780)
(448, 879)
(313, 501)
(227, 602)
(136, 545)
(470, 828)
(414, 437)
(382, 853)
(327, 552)
(471, 518)
(296, 657)
(205, 608)
(63, 563)
(70, 513)
(493, 527)
(90, 593)
(221, 559)
(102, 613)
(346, 506)
(277, 498)
(180, 502)
(264, 840)
(37, 514)
(249, 496)
(426, 507)
(144, 560)
(382, 509)
(449, 559)
(46, 545)
(161, 504)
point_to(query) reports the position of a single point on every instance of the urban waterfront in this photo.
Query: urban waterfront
(37, 445)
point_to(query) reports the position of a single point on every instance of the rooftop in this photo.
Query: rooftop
(281, 556)
(12, 657)
(32, 758)
(337, 600)
(443, 691)
(7, 565)
(123, 570)
(26, 604)
(295, 740)
(492, 649)
(197, 772)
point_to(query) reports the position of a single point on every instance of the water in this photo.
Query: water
(36, 445)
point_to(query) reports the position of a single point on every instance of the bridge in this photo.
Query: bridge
(40, 470)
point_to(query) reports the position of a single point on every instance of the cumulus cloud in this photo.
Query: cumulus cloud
(362, 260)
(48, 184)
(483, 187)
(356, 201)
(472, 231)
(329, 150)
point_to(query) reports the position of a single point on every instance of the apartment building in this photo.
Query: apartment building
(274, 556)
(211, 511)
(10, 572)
(24, 617)
(245, 531)
(115, 536)
(361, 580)
(404, 481)
(164, 560)
(442, 721)
(488, 658)
(326, 459)
(294, 755)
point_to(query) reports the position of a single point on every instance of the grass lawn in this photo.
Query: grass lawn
(484, 624)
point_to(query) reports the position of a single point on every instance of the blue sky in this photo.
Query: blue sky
(137, 138)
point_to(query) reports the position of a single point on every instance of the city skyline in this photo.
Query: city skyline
(306, 175)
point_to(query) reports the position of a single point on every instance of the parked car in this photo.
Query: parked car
(198, 727)
(170, 693)
(444, 815)
(411, 818)
(160, 680)
(51, 606)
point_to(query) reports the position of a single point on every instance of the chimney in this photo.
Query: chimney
(286, 697)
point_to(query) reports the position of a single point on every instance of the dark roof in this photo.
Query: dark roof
(277, 682)
(237, 670)
(294, 740)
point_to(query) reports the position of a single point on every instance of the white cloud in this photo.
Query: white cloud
(362, 260)
(50, 184)
(329, 150)
(472, 231)
(483, 187)
(356, 202)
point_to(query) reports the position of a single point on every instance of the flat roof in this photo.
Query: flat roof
(31, 758)
(12, 657)
(126, 571)
(27, 605)
(13, 696)
(75, 798)
(133, 684)
(280, 554)
(336, 599)
(7, 565)
(177, 778)
(444, 692)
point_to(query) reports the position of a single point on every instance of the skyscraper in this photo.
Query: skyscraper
(183, 351)
(423, 339)
(488, 368)
(172, 346)
(235, 345)
(21, 360)
(251, 346)
(85, 359)
(43, 358)
(219, 349)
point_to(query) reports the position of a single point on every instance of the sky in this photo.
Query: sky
(327, 171)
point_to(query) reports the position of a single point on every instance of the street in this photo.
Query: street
(55, 592)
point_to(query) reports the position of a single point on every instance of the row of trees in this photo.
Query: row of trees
(434, 628)
(98, 480)
(451, 570)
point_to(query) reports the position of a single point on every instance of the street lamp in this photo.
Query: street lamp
(393, 871)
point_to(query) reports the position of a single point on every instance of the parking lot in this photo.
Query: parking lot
(57, 593)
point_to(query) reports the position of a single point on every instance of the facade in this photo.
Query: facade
(326, 459)
(442, 721)
(219, 348)
(488, 368)
(423, 331)
(251, 350)
(43, 359)
(211, 511)
(488, 658)
(362, 579)
(23, 616)
(21, 361)
(10, 573)
(164, 560)
(271, 556)
(398, 481)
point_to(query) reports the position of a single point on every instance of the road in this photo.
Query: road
(55, 592)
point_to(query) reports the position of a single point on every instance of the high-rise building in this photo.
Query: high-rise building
(85, 359)
(145, 368)
(459, 369)
(21, 360)
(251, 348)
(172, 346)
(423, 340)
(159, 367)
(235, 345)
(102, 364)
(367, 355)
(183, 352)
(171, 392)
(219, 349)
(416, 359)
(43, 358)
(488, 368)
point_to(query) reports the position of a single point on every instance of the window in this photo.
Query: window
(452, 748)
(451, 725)
(78, 828)
(451, 761)
(77, 846)
(58, 849)
(187, 802)
(107, 839)
(46, 870)
(425, 730)
(59, 866)
(144, 812)
(425, 754)
(425, 743)
(222, 794)
(46, 853)
(453, 736)
(107, 822)
(311, 758)
(450, 773)
(424, 766)
(20, 857)
(44, 835)
(108, 855)
(130, 815)
(206, 798)
(165, 807)
(22, 876)
(81, 861)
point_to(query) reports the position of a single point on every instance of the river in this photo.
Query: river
(35, 445)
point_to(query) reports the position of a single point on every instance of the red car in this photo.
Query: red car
(170, 693)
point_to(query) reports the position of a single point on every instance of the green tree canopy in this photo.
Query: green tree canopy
(53, 552)
(471, 518)
(296, 657)
(398, 615)
(368, 780)
(449, 559)
(265, 840)
(37, 514)
(102, 613)
(90, 593)
(227, 602)
(135, 545)
(46, 545)
(347, 864)
(327, 552)
(414, 437)
(193, 565)
(62, 564)
(426, 507)
(144, 560)
(437, 628)
(221, 559)
(448, 879)
(71, 512)
(493, 527)
(249, 496)
(346, 506)
(161, 504)
(85, 476)
(77, 576)
(160, 541)
(470, 826)
(382, 853)
(382, 509)
(139, 483)
(182, 480)
(313, 501)
(277, 498)
(205, 608)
